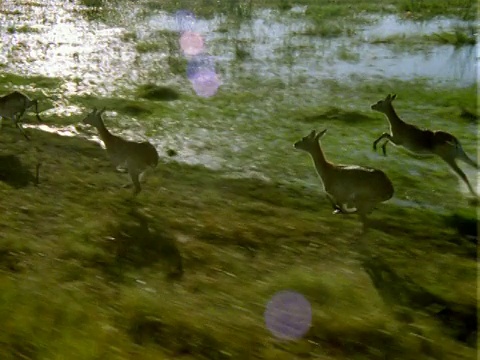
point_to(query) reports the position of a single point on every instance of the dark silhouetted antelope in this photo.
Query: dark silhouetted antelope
(422, 141)
(14, 105)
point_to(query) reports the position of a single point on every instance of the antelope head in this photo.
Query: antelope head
(94, 118)
(383, 105)
(308, 142)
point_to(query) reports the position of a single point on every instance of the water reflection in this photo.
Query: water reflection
(94, 57)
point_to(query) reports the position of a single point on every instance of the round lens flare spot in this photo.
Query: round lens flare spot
(200, 63)
(205, 82)
(191, 43)
(288, 315)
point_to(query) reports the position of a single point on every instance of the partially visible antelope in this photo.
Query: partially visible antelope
(422, 141)
(135, 157)
(14, 105)
(362, 188)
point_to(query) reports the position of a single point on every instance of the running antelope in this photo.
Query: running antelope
(14, 105)
(135, 157)
(422, 141)
(361, 187)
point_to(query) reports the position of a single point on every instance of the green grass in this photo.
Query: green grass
(324, 30)
(345, 54)
(22, 29)
(148, 46)
(128, 107)
(188, 266)
(458, 37)
(465, 9)
(123, 283)
(323, 9)
(92, 3)
(7, 80)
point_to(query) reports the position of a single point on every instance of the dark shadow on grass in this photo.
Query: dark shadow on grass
(336, 114)
(155, 92)
(401, 292)
(14, 173)
(181, 339)
(466, 227)
(134, 244)
(468, 115)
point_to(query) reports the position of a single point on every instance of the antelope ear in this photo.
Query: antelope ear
(394, 96)
(320, 134)
(312, 133)
(94, 110)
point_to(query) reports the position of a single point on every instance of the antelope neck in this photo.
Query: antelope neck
(392, 116)
(105, 135)
(321, 163)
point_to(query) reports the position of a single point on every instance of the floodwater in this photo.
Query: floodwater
(111, 55)
(55, 38)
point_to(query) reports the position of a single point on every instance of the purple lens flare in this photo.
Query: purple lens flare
(185, 20)
(288, 315)
(205, 82)
(200, 63)
(201, 68)
(201, 73)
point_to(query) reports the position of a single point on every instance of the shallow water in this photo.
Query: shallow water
(97, 58)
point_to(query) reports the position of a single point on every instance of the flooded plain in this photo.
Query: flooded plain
(56, 39)
(110, 53)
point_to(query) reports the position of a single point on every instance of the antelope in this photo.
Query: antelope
(14, 105)
(135, 157)
(362, 187)
(422, 141)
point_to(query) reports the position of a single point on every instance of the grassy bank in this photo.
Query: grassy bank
(187, 267)
(325, 9)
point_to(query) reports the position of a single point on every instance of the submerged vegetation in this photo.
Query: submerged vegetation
(458, 37)
(233, 214)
